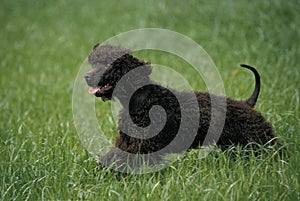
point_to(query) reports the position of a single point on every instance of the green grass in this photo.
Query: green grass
(43, 44)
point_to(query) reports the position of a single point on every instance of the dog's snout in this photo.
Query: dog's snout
(92, 77)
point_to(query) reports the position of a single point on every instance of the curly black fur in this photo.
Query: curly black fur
(243, 125)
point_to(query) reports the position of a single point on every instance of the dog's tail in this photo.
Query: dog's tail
(253, 98)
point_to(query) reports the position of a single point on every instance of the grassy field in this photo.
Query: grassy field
(43, 44)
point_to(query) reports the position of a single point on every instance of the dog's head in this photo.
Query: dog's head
(109, 65)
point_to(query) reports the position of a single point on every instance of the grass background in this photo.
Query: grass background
(43, 44)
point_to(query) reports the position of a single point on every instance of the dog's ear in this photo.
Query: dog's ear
(96, 46)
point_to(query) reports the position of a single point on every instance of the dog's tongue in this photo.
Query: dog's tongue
(93, 90)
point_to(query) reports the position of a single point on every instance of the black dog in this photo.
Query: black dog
(242, 124)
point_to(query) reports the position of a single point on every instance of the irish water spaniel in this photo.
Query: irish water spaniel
(151, 131)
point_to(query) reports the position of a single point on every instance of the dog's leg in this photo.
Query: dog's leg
(126, 157)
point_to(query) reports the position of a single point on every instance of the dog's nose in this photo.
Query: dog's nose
(87, 76)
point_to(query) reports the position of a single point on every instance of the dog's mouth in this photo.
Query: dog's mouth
(100, 89)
